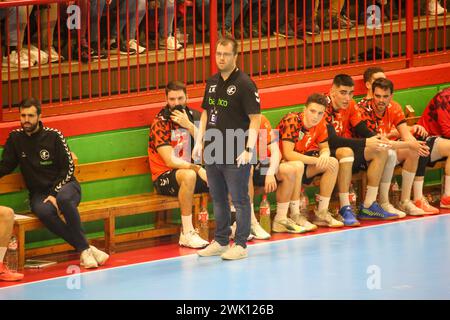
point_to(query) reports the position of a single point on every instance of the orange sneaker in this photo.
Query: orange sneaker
(7, 275)
(445, 201)
(425, 206)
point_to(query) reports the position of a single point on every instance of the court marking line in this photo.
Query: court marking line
(255, 244)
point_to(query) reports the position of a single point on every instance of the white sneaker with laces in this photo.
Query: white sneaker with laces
(171, 43)
(214, 249)
(236, 252)
(287, 225)
(191, 239)
(37, 56)
(87, 259)
(100, 256)
(13, 60)
(233, 233)
(391, 209)
(54, 56)
(301, 220)
(410, 208)
(435, 8)
(259, 232)
(134, 45)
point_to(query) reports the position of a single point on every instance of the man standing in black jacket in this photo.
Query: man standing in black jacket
(48, 170)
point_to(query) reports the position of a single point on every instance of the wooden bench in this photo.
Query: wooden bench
(104, 209)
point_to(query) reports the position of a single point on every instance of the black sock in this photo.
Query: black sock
(11, 49)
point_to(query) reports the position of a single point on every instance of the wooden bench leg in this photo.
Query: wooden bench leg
(20, 235)
(110, 231)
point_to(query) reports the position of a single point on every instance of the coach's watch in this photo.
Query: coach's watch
(249, 150)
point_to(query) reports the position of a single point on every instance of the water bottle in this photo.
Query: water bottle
(352, 198)
(304, 202)
(395, 194)
(203, 221)
(12, 255)
(264, 214)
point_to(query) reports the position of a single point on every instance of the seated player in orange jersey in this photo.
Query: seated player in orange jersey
(382, 116)
(169, 151)
(345, 127)
(304, 138)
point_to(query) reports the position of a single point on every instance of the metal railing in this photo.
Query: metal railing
(87, 51)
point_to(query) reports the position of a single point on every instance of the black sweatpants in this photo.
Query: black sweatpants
(68, 200)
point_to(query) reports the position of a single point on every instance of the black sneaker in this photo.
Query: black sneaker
(337, 22)
(94, 52)
(123, 50)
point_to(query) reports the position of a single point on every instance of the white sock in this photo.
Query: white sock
(2, 253)
(418, 189)
(186, 221)
(294, 207)
(344, 199)
(282, 211)
(253, 217)
(324, 203)
(447, 186)
(371, 196)
(407, 183)
(384, 192)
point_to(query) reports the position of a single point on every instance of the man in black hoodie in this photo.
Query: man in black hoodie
(48, 170)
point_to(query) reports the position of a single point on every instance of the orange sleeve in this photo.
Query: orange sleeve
(355, 114)
(397, 115)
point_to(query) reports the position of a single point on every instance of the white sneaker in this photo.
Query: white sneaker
(233, 233)
(236, 252)
(192, 240)
(100, 256)
(391, 209)
(301, 220)
(214, 249)
(410, 208)
(324, 218)
(287, 225)
(13, 60)
(134, 45)
(171, 43)
(54, 56)
(259, 232)
(87, 259)
(37, 56)
(435, 8)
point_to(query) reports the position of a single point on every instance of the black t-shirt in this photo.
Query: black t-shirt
(231, 101)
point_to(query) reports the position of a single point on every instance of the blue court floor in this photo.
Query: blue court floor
(402, 260)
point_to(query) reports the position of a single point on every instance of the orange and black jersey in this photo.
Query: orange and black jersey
(393, 116)
(165, 132)
(436, 116)
(344, 125)
(266, 136)
(291, 128)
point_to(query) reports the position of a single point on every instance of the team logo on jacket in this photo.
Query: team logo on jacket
(231, 90)
(44, 154)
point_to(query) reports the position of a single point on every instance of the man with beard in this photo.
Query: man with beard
(169, 152)
(48, 170)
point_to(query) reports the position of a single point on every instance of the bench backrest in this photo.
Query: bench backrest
(94, 171)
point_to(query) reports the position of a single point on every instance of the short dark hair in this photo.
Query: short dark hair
(30, 102)
(370, 72)
(384, 84)
(317, 98)
(175, 86)
(343, 80)
(225, 40)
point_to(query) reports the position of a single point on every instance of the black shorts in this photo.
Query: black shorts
(305, 180)
(166, 184)
(359, 162)
(426, 161)
(259, 174)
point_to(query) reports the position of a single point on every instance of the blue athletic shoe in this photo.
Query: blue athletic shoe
(349, 216)
(375, 212)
